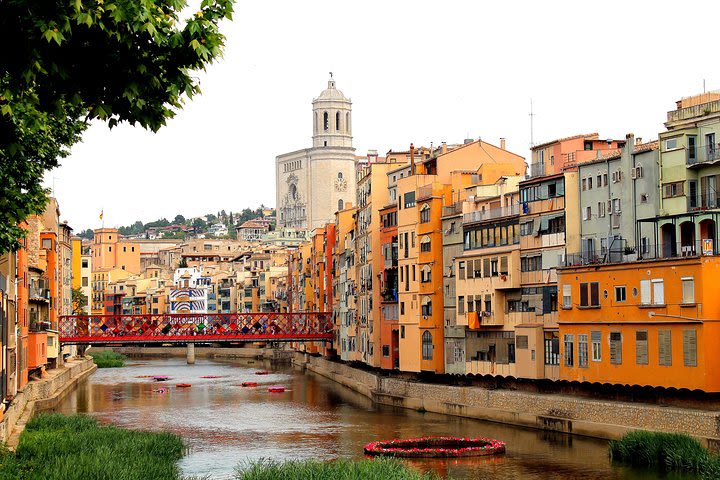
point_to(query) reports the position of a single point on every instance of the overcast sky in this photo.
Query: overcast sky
(416, 71)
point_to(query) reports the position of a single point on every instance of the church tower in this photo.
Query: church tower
(314, 183)
(332, 118)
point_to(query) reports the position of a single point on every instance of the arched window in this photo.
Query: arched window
(337, 121)
(347, 122)
(425, 273)
(426, 306)
(425, 244)
(341, 204)
(339, 175)
(326, 122)
(315, 125)
(427, 346)
(425, 213)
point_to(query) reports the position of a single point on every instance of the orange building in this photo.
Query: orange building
(647, 323)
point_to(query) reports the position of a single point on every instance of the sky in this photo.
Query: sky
(416, 71)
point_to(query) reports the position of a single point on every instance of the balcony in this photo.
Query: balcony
(453, 209)
(705, 200)
(424, 192)
(702, 154)
(41, 294)
(537, 169)
(491, 213)
(693, 112)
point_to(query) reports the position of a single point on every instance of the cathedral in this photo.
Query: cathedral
(313, 183)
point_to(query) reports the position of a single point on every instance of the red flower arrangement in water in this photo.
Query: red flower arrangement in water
(436, 447)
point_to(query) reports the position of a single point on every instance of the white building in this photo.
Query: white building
(190, 292)
(312, 184)
(218, 229)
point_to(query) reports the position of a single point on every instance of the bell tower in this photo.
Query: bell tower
(332, 118)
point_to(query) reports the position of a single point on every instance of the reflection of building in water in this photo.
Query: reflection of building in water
(313, 183)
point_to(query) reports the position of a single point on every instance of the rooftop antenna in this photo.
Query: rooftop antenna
(703, 85)
(532, 138)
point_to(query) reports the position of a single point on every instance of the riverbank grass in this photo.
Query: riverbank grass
(78, 448)
(376, 469)
(107, 358)
(666, 452)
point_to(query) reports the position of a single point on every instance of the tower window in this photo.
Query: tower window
(347, 122)
(341, 204)
(326, 124)
(337, 121)
(339, 175)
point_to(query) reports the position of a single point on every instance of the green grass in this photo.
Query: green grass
(666, 452)
(107, 358)
(76, 447)
(376, 469)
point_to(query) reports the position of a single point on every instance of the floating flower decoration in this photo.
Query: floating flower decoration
(436, 447)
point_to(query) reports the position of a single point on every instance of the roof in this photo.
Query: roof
(646, 147)
(254, 224)
(590, 136)
(331, 93)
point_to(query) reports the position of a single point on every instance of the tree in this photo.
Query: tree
(88, 233)
(183, 263)
(79, 301)
(199, 224)
(179, 219)
(72, 62)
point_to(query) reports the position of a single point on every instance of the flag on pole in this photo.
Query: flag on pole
(101, 213)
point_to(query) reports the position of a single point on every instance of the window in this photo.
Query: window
(521, 342)
(690, 348)
(569, 347)
(641, 347)
(599, 180)
(596, 346)
(590, 294)
(658, 291)
(671, 143)
(425, 274)
(337, 121)
(402, 331)
(461, 304)
(425, 244)
(426, 307)
(665, 348)
(616, 348)
(341, 205)
(531, 264)
(326, 123)
(590, 181)
(688, 290)
(84, 263)
(427, 346)
(461, 270)
(567, 295)
(620, 293)
(582, 350)
(425, 213)
(587, 214)
(402, 310)
(601, 209)
(84, 281)
(552, 348)
(409, 199)
(605, 179)
(584, 183)
(673, 189)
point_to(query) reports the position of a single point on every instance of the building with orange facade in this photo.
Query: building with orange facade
(344, 284)
(642, 323)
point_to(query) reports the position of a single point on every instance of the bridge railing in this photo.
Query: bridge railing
(207, 326)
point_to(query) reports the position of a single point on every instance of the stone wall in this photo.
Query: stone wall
(596, 418)
(206, 352)
(42, 394)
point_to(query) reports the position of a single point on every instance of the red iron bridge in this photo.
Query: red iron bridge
(195, 328)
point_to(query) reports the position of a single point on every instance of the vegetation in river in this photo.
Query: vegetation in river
(78, 448)
(666, 452)
(107, 358)
(379, 468)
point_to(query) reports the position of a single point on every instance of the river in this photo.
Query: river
(225, 424)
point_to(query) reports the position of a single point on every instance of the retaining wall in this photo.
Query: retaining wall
(583, 416)
(42, 394)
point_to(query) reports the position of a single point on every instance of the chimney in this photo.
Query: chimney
(412, 159)
(502, 143)
(444, 147)
(468, 140)
(638, 141)
(372, 156)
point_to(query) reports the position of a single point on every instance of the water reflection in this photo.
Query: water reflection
(225, 424)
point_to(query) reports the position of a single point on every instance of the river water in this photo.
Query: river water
(225, 424)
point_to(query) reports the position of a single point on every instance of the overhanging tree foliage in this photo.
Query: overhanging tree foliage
(67, 62)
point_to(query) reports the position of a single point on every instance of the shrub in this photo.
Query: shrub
(107, 359)
(380, 468)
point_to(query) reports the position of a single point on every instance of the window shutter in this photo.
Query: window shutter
(583, 294)
(504, 265)
(616, 348)
(521, 342)
(567, 295)
(688, 290)
(658, 292)
(641, 347)
(595, 294)
(690, 348)
(486, 267)
(664, 348)
(645, 292)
